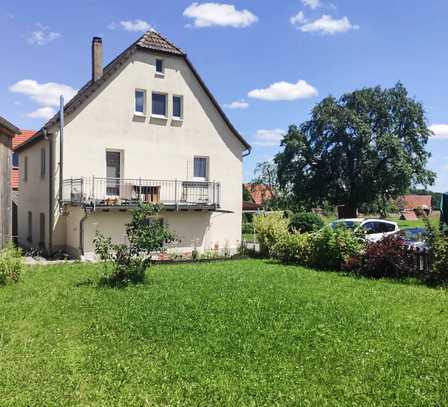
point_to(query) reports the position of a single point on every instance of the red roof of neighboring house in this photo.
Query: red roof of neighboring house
(412, 202)
(21, 138)
(16, 141)
(260, 193)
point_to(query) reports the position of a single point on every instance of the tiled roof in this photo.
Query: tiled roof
(156, 42)
(412, 202)
(260, 193)
(16, 141)
(22, 137)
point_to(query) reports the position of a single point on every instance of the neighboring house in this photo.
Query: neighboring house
(411, 205)
(17, 140)
(259, 194)
(7, 132)
(144, 128)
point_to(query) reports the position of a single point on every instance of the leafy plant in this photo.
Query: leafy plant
(332, 248)
(438, 243)
(294, 248)
(124, 264)
(11, 264)
(270, 229)
(305, 222)
(388, 257)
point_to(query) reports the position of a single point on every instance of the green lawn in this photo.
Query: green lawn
(237, 333)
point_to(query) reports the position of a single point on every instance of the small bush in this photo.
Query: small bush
(11, 265)
(387, 258)
(438, 243)
(247, 228)
(124, 264)
(333, 248)
(294, 248)
(270, 229)
(305, 222)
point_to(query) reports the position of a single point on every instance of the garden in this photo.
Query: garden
(245, 332)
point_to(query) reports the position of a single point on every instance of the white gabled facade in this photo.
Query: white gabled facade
(105, 136)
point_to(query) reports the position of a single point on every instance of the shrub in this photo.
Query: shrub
(124, 264)
(270, 229)
(247, 228)
(294, 248)
(438, 243)
(11, 264)
(305, 222)
(388, 257)
(331, 249)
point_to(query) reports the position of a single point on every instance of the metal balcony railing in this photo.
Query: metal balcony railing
(122, 192)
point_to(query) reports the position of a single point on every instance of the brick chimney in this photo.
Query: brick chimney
(97, 58)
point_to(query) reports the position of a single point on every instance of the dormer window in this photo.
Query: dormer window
(159, 66)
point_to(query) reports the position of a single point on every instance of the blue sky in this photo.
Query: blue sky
(274, 59)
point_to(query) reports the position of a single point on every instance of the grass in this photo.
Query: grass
(240, 333)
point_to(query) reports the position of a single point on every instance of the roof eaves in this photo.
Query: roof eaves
(9, 126)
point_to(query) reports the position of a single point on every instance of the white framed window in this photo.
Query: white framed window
(159, 105)
(140, 102)
(178, 107)
(200, 168)
(160, 69)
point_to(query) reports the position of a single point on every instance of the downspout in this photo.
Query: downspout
(81, 233)
(50, 193)
(61, 150)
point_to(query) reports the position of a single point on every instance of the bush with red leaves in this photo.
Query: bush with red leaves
(387, 258)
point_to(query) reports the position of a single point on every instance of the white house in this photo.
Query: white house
(144, 128)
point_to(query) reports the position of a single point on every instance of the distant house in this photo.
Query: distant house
(411, 205)
(259, 194)
(7, 132)
(17, 140)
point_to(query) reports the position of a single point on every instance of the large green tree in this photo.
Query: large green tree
(365, 147)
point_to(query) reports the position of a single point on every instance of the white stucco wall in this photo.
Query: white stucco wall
(33, 195)
(153, 149)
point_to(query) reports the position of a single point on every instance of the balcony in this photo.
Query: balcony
(120, 193)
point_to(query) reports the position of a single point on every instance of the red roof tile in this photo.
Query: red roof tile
(16, 141)
(412, 202)
(21, 138)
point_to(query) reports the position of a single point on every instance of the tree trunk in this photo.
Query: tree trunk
(347, 211)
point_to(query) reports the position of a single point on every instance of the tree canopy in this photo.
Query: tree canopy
(366, 147)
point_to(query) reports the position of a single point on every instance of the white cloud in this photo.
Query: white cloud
(298, 19)
(42, 113)
(43, 35)
(238, 104)
(440, 131)
(285, 91)
(45, 94)
(326, 25)
(312, 3)
(268, 138)
(133, 25)
(218, 14)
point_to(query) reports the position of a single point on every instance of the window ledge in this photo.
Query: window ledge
(177, 119)
(138, 114)
(160, 75)
(159, 116)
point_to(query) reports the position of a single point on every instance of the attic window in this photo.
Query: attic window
(159, 66)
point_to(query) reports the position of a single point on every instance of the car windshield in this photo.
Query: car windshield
(347, 224)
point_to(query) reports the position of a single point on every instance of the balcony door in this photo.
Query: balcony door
(113, 172)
